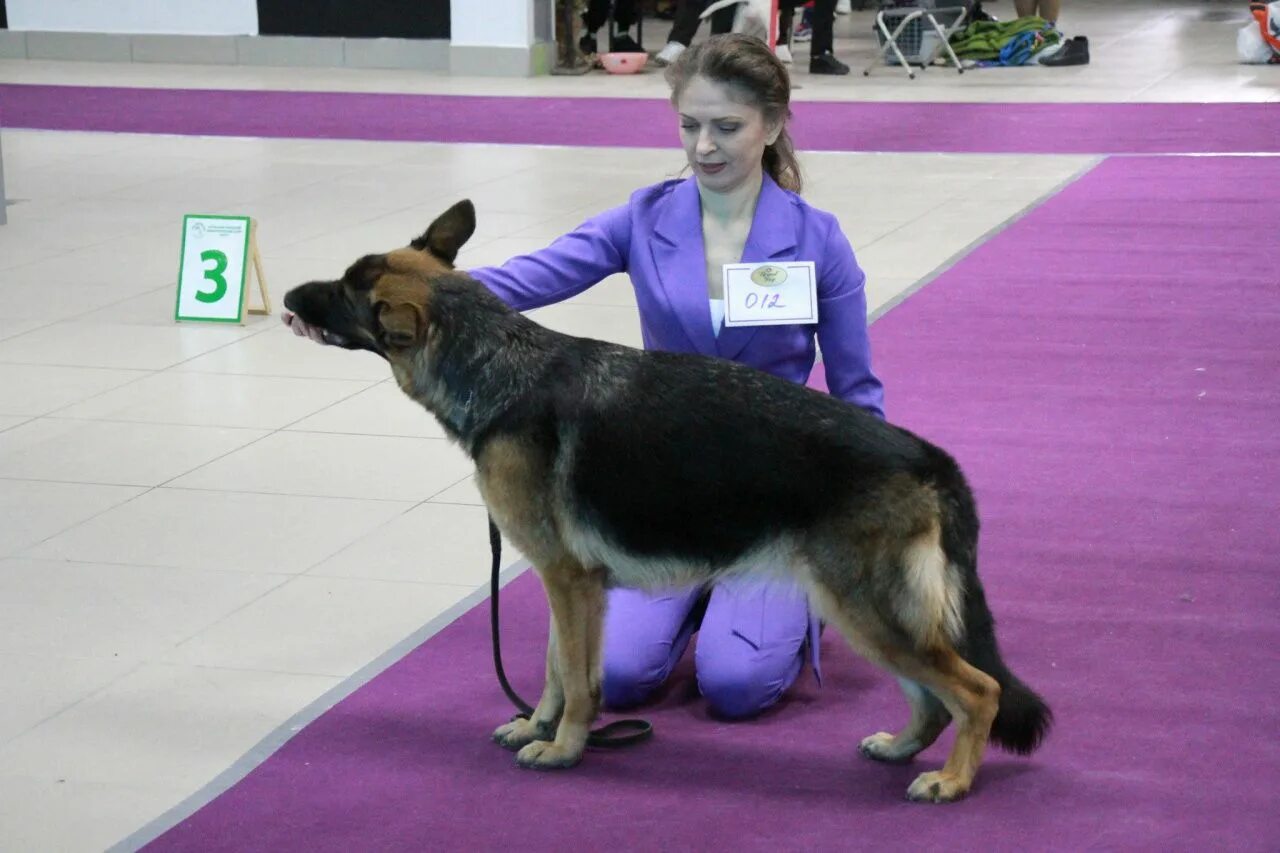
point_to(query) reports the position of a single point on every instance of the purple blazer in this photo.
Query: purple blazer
(657, 239)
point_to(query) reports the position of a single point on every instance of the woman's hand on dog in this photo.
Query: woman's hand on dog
(301, 329)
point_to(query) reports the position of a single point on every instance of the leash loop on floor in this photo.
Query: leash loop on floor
(619, 733)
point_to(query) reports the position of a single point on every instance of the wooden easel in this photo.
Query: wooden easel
(256, 257)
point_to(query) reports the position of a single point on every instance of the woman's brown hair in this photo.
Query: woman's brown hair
(749, 68)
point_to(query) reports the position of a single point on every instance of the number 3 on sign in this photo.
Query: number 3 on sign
(217, 255)
(214, 275)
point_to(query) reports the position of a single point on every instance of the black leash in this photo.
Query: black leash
(617, 734)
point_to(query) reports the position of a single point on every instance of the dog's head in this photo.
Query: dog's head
(380, 303)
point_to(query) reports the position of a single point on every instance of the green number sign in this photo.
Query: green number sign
(213, 271)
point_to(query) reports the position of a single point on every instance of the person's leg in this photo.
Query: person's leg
(624, 16)
(822, 58)
(824, 19)
(1024, 8)
(644, 636)
(751, 646)
(803, 31)
(722, 20)
(786, 16)
(685, 26)
(1050, 10)
(592, 20)
(596, 16)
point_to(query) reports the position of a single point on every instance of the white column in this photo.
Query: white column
(501, 37)
(4, 216)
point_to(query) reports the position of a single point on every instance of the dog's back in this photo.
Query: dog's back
(684, 456)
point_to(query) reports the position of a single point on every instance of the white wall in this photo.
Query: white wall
(187, 17)
(491, 23)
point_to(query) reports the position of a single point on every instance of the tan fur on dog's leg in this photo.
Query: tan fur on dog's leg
(576, 596)
(542, 724)
(972, 697)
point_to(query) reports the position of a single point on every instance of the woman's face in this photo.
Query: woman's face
(723, 138)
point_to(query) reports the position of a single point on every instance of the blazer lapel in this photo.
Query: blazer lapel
(680, 261)
(772, 238)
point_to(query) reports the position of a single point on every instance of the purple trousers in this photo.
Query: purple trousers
(753, 637)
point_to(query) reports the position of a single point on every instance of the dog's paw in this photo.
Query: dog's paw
(545, 755)
(936, 787)
(520, 732)
(881, 747)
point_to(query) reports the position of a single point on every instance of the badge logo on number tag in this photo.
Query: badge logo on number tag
(770, 294)
(768, 275)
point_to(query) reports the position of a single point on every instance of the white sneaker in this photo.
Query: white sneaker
(844, 7)
(783, 53)
(668, 54)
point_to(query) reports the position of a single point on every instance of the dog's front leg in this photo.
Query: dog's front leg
(576, 596)
(542, 724)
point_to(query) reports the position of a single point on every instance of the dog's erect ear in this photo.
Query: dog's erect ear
(450, 230)
(401, 323)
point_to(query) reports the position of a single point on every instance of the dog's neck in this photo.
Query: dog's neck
(477, 360)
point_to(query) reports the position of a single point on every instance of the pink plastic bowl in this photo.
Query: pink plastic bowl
(623, 63)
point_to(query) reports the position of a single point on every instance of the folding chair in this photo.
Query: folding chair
(913, 25)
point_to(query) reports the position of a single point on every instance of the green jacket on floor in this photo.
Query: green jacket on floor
(983, 39)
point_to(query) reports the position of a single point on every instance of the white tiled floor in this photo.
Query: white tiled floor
(204, 530)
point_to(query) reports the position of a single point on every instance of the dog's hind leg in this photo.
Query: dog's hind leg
(576, 596)
(970, 696)
(541, 725)
(929, 717)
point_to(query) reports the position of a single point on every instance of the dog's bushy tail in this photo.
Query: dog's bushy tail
(1024, 718)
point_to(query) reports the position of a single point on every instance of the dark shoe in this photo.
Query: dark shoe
(826, 63)
(1074, 52)
(587, 44)
(624, 43)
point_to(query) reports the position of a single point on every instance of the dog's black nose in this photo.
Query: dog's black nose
(296, 299)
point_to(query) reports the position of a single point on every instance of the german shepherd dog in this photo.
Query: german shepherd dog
(609, 466)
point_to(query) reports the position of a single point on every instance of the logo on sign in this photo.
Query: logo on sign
(769, 276)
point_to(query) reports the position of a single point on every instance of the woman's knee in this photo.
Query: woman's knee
(631, 678)
(751, 647)
(743, 683)
(644, 635)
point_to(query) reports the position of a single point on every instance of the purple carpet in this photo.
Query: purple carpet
(1106, 371)
(625, 122)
